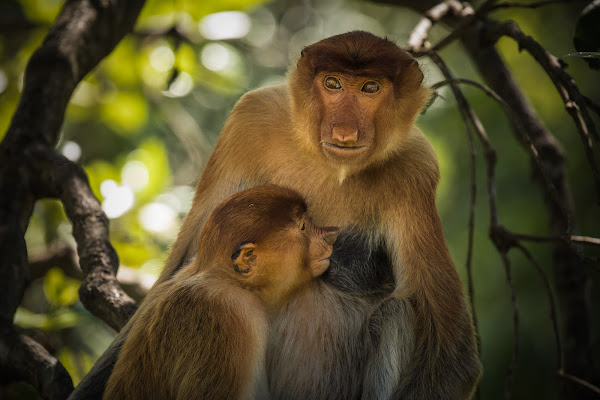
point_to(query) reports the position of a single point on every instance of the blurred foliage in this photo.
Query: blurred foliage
(143, 123)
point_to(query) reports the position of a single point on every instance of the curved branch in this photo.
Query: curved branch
(574, 102)
(100, 292)
(84, 33)
(29, 361)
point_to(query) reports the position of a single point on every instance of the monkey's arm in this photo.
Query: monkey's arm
(443, 363)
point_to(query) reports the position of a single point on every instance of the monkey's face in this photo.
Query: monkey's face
(320, 246)
(299, 253)
(350, 112)
(289, 259)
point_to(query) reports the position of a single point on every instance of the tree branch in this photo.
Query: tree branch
(536, 4)
(565, 85)
(57, 254)
(84, 33)
(60, 254)
(25, 359)
(58, 177)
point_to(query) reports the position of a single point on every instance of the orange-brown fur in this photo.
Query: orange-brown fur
(361, 164)
(202, 334)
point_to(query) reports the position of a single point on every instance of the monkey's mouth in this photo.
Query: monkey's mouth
(344, 151)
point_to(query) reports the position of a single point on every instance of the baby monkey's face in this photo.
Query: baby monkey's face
(291, 258)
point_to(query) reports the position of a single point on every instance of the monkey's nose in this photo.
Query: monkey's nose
(330, 234)
(345, 134)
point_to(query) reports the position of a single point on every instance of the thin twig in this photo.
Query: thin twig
(533, 5)
(510, 373)
(529, 144)
(502, 240)
(585, 239)
(551, 300)
(579, 381)
(566, 87)
(468, 120)
(417, 41)
(574, 238)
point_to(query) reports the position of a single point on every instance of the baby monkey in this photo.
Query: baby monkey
(202, 334)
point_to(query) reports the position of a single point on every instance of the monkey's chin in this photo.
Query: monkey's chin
(344, 153)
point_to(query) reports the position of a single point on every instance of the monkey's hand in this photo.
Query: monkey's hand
(392, 337)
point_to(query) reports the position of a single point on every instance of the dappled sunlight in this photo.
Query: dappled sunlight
(225, 25)
(162, 58)
(71, 150)
(157, 217)
(117, 199)
(216, 57)
(135, 175)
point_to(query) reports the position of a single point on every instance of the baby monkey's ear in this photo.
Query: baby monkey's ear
(244, 258)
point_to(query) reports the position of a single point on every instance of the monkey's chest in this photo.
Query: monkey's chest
(358, 266)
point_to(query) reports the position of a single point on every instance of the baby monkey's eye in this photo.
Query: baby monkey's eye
(303, 227)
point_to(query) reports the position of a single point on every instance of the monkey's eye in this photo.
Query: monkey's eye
(332, 83)
(303, 227)
(370, 87)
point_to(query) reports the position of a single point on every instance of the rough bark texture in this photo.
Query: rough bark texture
(84, 33)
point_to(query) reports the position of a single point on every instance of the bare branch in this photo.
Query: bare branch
(574, 238)
(565, 85)
(551, 302)
(469, 118)
(510, 373)
(56, 176)
(530, 146)
(536, 4)
(25, 359)
(579, 381)
(83, 34)
(58, 254)
(417, 41)
(489, 152)
(585, 239)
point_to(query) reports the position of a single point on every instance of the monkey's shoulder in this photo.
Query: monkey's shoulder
(266, 105)
(201, 300)
(259, 125)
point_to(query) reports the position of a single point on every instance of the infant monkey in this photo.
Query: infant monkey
(202, 334)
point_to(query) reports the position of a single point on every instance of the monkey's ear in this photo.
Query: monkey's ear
(409, 75)
(244, 258)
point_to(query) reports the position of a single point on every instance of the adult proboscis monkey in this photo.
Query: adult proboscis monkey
(389, 318)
